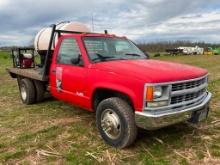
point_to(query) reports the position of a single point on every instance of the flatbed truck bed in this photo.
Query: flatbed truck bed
(32, 73)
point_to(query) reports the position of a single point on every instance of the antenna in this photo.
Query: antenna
(92, 24)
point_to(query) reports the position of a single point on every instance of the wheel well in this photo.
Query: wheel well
(12, 75)
(102, 93)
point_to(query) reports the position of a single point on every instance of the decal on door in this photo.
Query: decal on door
(59, 72)
(79, 94)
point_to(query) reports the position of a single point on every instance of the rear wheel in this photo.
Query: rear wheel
(40, 90)
(27, 91)
(115, 122)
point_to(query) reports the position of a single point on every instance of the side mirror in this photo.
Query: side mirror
(147, 55)
(77, 60)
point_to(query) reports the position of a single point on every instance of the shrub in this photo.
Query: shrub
(157, 55)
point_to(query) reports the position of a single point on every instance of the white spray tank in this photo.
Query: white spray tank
(42, 39)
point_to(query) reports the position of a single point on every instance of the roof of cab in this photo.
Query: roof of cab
(94, 35)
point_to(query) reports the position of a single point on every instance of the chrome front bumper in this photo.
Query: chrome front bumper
(152, 121)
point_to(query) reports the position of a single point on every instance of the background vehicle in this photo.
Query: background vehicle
(109, 75)
(216, 51)
(186, 50)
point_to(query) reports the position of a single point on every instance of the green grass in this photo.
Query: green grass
(56, 132)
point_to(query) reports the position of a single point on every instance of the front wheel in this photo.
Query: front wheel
(115, 122)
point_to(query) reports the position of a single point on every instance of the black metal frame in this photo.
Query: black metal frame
(47, 62)
(17, 59)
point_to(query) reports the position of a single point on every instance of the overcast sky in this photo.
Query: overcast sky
(140, 20)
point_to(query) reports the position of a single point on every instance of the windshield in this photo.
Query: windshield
(108, 49)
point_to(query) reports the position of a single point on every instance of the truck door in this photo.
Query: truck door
(68, 73)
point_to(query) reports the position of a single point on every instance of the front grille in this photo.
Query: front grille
(198, 89)
(187, 97)
(188, 84)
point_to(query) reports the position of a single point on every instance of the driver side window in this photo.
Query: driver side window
(69, 52)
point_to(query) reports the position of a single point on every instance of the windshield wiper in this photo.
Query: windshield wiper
(133, 54)
(102, 57)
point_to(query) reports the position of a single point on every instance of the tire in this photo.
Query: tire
(121, 117)
(27, 91)
(40, 90)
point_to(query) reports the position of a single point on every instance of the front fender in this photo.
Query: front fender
(135, 97)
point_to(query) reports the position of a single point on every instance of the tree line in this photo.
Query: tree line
(162, 46)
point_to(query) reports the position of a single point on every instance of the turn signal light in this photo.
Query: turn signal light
(150, 93)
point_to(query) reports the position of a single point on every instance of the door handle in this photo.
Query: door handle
(54, 71)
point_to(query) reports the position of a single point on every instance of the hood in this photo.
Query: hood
(151, 71)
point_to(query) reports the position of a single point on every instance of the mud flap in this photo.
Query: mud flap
(199, 115)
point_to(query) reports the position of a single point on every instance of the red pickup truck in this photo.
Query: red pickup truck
(110, 76)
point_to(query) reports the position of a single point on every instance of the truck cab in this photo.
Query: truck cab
(77, 70)
(112, 77)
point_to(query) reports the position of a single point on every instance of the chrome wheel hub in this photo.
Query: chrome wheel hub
(110, 123)
(23, 92)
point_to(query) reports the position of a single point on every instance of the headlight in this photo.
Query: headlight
(154, 92)
(157, 96)
(157, 92)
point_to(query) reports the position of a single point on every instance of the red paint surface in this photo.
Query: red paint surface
(125, 76)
